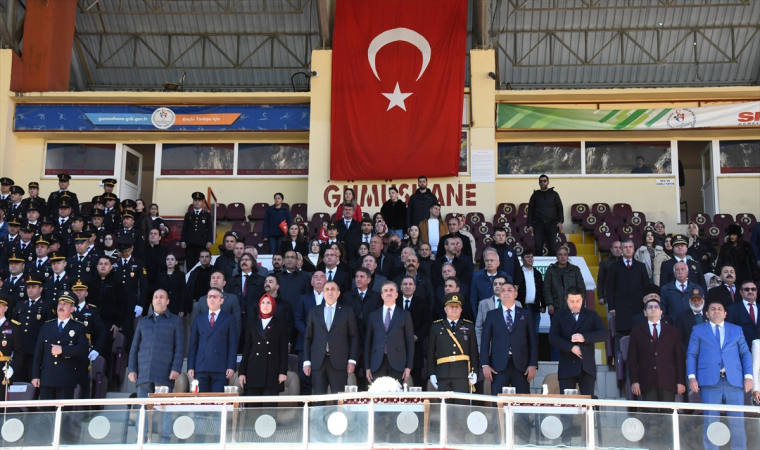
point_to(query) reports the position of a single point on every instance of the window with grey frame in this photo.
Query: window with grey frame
(740, 156)
(637, 158)
(524, 158)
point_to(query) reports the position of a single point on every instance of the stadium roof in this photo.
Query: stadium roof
(256, 45)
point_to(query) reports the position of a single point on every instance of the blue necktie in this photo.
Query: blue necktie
(60, 327)
(509, 320)
(717, 334)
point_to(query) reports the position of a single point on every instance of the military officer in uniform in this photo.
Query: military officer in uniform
(92, 231)
(61, 344)
(5, 188)
(8, 243)
(452, 357)
(63, 221)
(129, 229)
(112, 212)
(87, 314)
(60, 281)
(32, 313)
(15, 285)
(82, 265)
(34, 197)
(15, 207)
(11, 345)
(196, 231)
(132, 278)
(63, 189)
(24, 245)
(108, 185)
(33, 217)
(41, 264)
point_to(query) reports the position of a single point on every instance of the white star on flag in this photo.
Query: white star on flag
(396, 98)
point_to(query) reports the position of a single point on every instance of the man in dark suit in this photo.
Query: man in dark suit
(389, 344)
(376, 278)
(745, 313)
(450, 256)
(331, 343)
(61, 344)
(651, 292)
(363, 297)
(453, 225)
(385, 263)
(482, 280)
(727, 293)
(348, 229)
(424, 289)
(680, 248)
(530, 297)
(691, 317)
(675, 295)
(197, 231)
(656, 358)
(422, 318)
(334, 272)
(213, 346)
(625, 288)
(293, 282)
(509, 345)
(574, 332)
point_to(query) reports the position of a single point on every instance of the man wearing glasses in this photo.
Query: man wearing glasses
(656, 359)
(745, 313)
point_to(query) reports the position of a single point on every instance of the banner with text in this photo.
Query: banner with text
(521, 117)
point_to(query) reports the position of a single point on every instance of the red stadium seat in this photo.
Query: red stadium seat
(600, 208)
(365, 215)
(571, 250)
(320, 217)
(85, 209)
(622, 209)
(299, 210)
(242, 229)
(487, 240)
(475, 218)
(262, 248)
(635, 218)
(746, 219)
(561, 238)
(645, 226)
(702, 220)
(451, 215)
(603, 228)
(635, 237)
(747, 234)
(479, 247)
(501, 219)
(723, 220)
(519, 248)
(521, 221)
(507, 208)
(258, 210)
(253, 238)
(235, 211)
(528, 240)
(605, 236)
(285, 205)
(190, 207)
(120, 358)
(614, 221)
(221, 211)
(512, 239)
(714, 234)
(523, 209)
(578, 211)
(258, 227)
(483, 229)
(590, 222)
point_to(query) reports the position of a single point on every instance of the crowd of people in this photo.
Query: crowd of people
(386, 296)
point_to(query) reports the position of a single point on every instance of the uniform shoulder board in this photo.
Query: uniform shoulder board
(439, 320)
(465, 320)
(90, 305)
(16, 322)
(75, 319)
(144, 272)
(51, 320)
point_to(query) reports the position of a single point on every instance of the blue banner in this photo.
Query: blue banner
(44, 117)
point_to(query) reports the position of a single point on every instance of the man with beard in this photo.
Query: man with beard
(284, 311)
(418, 206)
(111, 300)
(423, 287)
(616, 252)
(694, 315)
(426, 258)
(453, 224)
(248, 286)
(293, 282)
(385, 263)
(277, 264)
(728, 293)
(199, 279)
(545, 216)
(745, 313)
(227, 256)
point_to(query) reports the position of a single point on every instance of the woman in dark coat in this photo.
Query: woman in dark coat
(273, 217)
(736, 252)
(294, 241)
(700, 250)
(173, 282)
(264, 366)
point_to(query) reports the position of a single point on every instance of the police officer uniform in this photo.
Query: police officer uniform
(63, 226)
(25, 248)
(55, 198)
(31, 315)
(37, 226)
(5, 181)
(58, 374)
(87, 314)
(453, 350)
(112, 215)
(7, 242)
(108, 185)
(11, 346)
(39, 201)
(40, 266)
(132, 278)
(92, 247)
(57, 284)
(197, 232)
(135, 233)
(80, 267)
(15, 285)
(16, 209)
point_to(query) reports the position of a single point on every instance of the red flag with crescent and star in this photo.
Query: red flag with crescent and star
(397, 88)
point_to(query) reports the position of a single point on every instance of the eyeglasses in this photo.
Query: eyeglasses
(754, 289)
(653, 306)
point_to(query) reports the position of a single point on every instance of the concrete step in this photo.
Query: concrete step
(591, 259)
(594, 271)
(575, 238)
(585, 249)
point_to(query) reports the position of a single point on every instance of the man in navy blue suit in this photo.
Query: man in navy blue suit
(389, 345)
(304, 305)
(719, 364)
(213, 345)
(745, 312)
(508, 345)
(482, 280)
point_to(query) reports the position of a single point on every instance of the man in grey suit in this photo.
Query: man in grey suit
(158, 347)
(331, 343)
(370, 263)
(389, 344)
(231, 303)
(489, 304)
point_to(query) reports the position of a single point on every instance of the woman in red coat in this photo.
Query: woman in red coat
(350, 197)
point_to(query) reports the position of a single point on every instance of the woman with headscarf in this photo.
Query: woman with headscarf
(665, 255)
(109, 246)
(736, 252)
(313, 258)
(264, 365)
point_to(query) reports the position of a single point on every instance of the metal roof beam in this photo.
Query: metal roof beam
(190, 7)
(591, 5)
(326, 20)
(480, 30)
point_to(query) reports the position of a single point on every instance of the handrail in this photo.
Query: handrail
(502, 401)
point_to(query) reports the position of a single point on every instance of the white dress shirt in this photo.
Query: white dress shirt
(651, 328)
(753, 306)
(265, 322)
(530, 286)
(318, 297)
(434, 234)
(385, 311)
(216, 315)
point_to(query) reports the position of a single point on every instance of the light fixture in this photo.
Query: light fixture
(492, 76)
(312, 74)
(176, 87)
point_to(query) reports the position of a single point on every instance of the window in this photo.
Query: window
(273, 159)
(463, 152)
(80, 159)
(740, 157)
(628, 158)
(197, 159)
(525, 158)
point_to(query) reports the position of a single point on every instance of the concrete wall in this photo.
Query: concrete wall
(739, 194)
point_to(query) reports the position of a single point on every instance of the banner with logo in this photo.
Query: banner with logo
(521, 117)
(83, 118)
(397, 81)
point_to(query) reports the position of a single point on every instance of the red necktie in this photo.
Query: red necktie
(211, 322)
(731, 290)
(654, 333)
(628, 263)
(752, 313)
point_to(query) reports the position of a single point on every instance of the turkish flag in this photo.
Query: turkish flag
(397, 88)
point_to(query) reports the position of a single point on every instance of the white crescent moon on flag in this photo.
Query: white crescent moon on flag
(399, 34)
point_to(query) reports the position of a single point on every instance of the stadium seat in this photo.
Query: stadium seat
(190, 208)
(512, 240)
(502, 219)
(258, 210)
(22, 392)
(451, 215)
(258, 227)
(590, 223)
(99, 379)
(577, 212)
(320, 217)
(634, 236)
(571, 249)
(221, 211)
(120, 359)
(85, 209)
(509, 228)
(614, 221)
(365, 215)
(723, 220)
(235, 211)
(519, 248)
(484, 228)
(702, 220)
(299, 210)
(487, 240)
(507, 209)
(604, 238)
(475, 219)
(242, 229)
(713, 234)
(622, 209)
(561, 238)
(521, 221)
(645, 226)
(263, 248)
(176, 249)
(746, 219)
(600, 208)
(635, 218)
(479, 247)
(528, 240)
(253, 238)
(523, 209)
